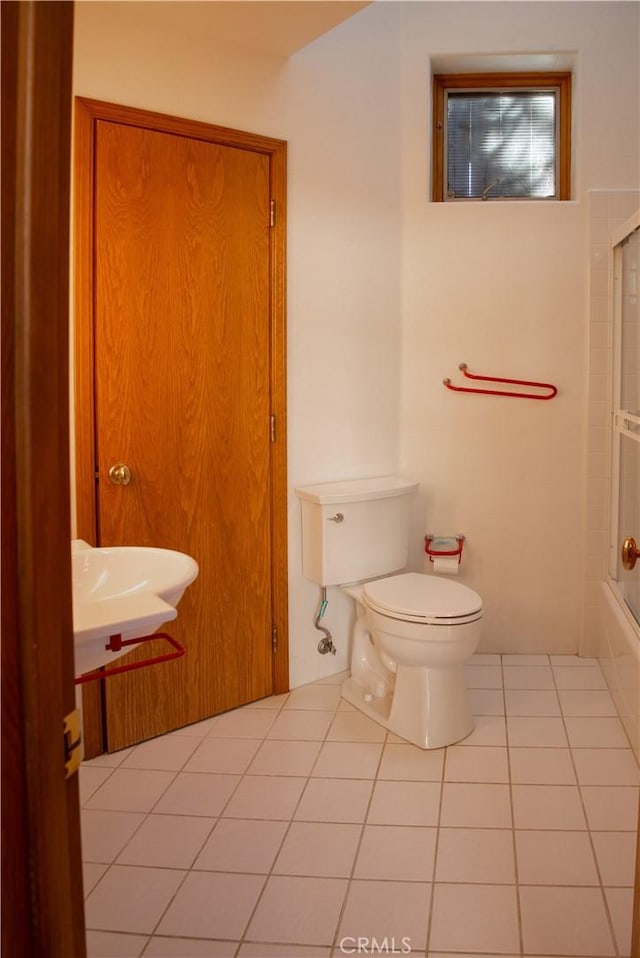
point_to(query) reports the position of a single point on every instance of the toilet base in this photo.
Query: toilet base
(428, 707)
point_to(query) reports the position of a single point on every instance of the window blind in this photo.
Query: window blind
(501, 144)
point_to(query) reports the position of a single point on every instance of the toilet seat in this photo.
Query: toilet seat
(414, 597)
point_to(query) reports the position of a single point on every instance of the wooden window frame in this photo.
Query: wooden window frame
(443, 82)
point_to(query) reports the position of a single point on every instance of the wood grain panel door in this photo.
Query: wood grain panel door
(183, 340)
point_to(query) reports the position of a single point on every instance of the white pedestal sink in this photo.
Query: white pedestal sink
(123, 590)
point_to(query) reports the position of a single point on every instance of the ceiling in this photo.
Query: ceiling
(277, 27)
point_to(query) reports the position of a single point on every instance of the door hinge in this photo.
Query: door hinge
(274, 639)
(272, 213)
(272, 427)
(72, 741)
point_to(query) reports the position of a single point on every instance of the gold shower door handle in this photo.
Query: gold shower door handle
(630, 553)
(120, 474)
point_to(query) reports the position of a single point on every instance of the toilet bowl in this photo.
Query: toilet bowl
(412, 637)
(413, 632)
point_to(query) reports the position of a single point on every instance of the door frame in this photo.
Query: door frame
(87, 113)
(42, 900)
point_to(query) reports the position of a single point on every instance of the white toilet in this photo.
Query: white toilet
(413, 632)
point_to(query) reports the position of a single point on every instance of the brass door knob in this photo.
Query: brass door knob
(120, 474)
(630, 553)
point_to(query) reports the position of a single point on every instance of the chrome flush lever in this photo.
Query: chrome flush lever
(337, 518)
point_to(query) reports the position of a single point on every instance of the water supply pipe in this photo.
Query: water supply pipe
(326, 643)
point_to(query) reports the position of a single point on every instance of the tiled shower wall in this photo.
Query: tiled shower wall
(605, 633)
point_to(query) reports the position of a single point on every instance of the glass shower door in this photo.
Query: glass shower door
(625, 525)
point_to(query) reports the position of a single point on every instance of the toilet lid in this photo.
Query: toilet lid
(418, 596)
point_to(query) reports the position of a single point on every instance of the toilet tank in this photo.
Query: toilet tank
(372, 537)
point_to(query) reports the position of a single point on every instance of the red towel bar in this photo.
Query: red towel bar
(500, 392)
(116, 642)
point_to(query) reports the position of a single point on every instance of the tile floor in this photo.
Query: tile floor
(295, 826)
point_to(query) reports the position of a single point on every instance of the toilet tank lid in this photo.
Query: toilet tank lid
(356, 490)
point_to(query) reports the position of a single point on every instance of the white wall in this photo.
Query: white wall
(388, 292)
(337, 105)
(502, 287)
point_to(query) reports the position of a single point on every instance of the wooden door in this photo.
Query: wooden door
(183, 393)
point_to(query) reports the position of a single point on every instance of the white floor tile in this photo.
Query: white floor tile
(592, 704)
(303, 724)
(280, 757)
(196, 729)
(475, 805)
(596, 733)
(488, 730)
(160, 947)
(244, 723)
(90, 778)
(229, 756)
(274, 805)
(475, 855)
(531, 702)
(166, 753)
(108, 759)
(263, 950)
(348, 760)
(411, 764)
(565, 921)
(616, 856)
(355, 727)
(605, 766)
(528, 677)
(386, 909)
(131, 790)
(611, 808)
(555, 858)
(483, 918)
(579, 677)
(551, 807)
(483, 676)
(300, 910)
(197, 793)
(541, 766)
(105, 833)
(335, 800)
(468, 763)
(522, 659)
(131, 899)
(272, 702)
(212, 905)
(265, 797)
(620, 902)
(92, 872)
(167, 841)
(404, 803)
(323, 697)
(540, 731)
(242, 845)
(403, 853)
(486, 701)
(322, 849)
(109, 944)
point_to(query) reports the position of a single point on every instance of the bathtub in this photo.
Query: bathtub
(619, 656)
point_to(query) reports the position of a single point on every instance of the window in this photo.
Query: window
(501, 135)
